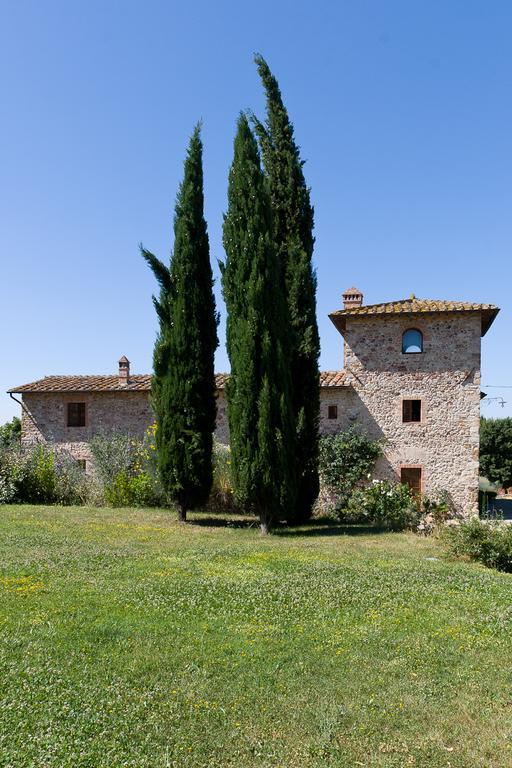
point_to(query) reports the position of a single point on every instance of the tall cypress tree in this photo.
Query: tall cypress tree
(183, 387)
(258, 392)
(293, 235)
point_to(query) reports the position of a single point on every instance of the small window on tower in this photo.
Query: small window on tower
(411, 411)
(332, 412)
(76, 415)
(412, 342)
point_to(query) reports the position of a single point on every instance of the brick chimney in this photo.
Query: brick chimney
(124, 371)
(352, 298)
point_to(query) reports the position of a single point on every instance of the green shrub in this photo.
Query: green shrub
(126, 469)
(132, 491)
(345, 460)
(7, 490)
(10, 433)
(385, 505)
(40, 475)
(222, 498)
(488, 542)
(114, 454)
(435, 511)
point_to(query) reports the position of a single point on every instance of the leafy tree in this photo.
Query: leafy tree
(293, 236)
(183, 388)
(345, 460)
(10, 433)
(258, 392)
(496, 450)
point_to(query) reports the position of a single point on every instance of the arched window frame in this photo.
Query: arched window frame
(422, 345)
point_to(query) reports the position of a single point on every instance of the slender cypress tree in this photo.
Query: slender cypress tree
(258, 392)
(293, 235)
(183, 387)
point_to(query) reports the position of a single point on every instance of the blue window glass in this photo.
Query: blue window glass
(412, 341)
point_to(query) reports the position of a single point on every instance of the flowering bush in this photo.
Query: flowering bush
(385, 505)
(7, 490)
(435, 511)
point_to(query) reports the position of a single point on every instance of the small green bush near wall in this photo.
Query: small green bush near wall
(385, 505)
(40, 475)
(123, 474)
(139, 490)
(488, 542)
(126, 469)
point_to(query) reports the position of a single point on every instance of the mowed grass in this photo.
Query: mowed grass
(129, 640)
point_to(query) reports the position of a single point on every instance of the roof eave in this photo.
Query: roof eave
(488, 318)
(339, 319)
(339, 322)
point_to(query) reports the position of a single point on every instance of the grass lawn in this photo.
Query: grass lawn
(129, 640)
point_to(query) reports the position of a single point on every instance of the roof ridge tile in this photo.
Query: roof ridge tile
(140, 382)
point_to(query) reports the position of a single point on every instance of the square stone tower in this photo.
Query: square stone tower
(412, 379)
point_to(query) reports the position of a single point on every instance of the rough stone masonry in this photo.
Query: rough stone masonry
(411, 377)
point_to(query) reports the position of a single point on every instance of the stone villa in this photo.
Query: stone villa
(411, 375)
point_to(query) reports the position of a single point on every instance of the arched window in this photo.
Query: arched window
(412, 341)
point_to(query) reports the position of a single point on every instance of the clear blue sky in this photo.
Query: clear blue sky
(403, 111)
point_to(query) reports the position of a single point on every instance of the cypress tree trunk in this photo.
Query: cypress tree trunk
(183, 386)
(293, 236)
(182, 512)
(258, 392)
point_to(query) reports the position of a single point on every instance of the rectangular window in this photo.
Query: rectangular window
(332, 412)
(411, 476)
(411, 410)
(76, 415)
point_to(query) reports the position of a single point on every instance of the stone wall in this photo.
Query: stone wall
(106, 412)
(339, 396)
(446, 377)
(128, 412)
(222, 426)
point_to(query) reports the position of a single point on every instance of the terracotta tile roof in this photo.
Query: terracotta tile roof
(414, 306)
(327, 379)
(137, 383)
(333, 379)
(86, 384)
(221, 380)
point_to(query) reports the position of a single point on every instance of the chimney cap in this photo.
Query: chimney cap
(352, 298)
(352, 292)
(123, 359)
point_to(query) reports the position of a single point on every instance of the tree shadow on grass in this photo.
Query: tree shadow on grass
(318, 527)
(223, 522)
(334, 529)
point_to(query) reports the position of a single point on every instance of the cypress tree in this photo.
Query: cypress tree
(183, 386)
(258, 392)
(293, 236)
